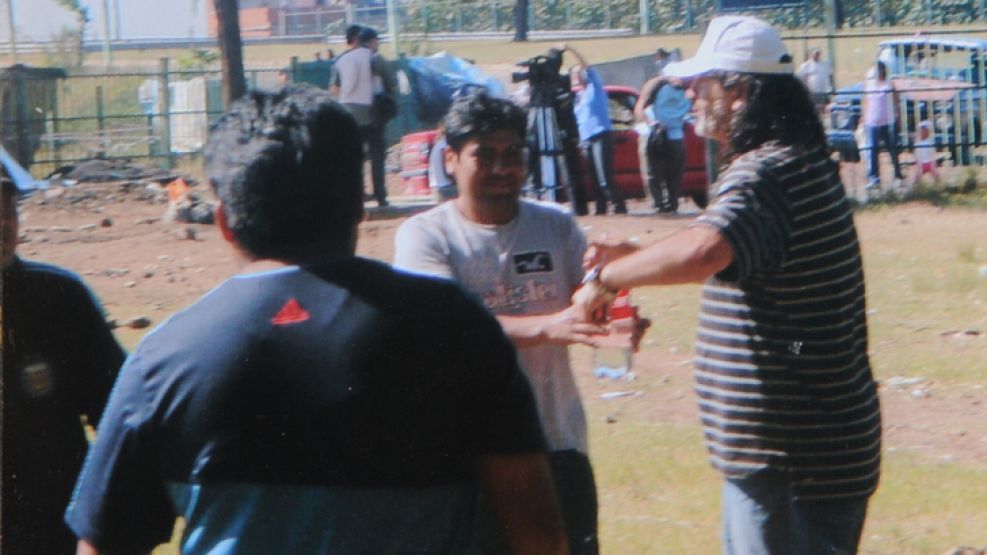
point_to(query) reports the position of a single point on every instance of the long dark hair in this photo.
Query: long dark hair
(778, 108)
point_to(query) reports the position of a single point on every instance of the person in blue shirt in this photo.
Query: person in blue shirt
(663, 106)
(592, 110)
(304, 405)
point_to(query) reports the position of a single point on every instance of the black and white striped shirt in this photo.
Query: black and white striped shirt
(782, 372)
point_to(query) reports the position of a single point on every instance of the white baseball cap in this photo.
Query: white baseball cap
(738, 43)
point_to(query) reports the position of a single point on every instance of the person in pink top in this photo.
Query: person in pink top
(879, 110)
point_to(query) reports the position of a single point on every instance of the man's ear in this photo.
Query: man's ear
(739, 93)
(451, 160)
(224, 224)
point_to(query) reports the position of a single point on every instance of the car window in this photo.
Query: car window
(927, 60)
(621, 107)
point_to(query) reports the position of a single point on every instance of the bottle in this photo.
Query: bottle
(614, 355)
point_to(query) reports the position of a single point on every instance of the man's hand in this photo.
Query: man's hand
(605, 250)
(592, 299)
(571, 326)
(565, 327)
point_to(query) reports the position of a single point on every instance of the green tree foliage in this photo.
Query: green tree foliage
(444, 16)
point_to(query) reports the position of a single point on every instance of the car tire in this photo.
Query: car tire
(701, 199)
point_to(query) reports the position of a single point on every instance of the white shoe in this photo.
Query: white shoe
(872, 185)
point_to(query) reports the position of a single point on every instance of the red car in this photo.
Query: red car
(627, 162)
(415, 148)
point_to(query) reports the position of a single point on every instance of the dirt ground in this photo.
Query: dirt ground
(140, 266)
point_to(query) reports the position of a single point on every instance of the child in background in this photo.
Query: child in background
(925, 152)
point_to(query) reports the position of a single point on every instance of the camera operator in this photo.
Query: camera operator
(543, 88)
(592, 111)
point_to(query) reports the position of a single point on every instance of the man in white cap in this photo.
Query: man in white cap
(789, 407)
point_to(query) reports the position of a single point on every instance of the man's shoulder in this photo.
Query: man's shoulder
(546, 211)
(45, 270)
(434, 219)
(51, 280)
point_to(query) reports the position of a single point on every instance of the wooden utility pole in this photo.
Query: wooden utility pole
(230, 48)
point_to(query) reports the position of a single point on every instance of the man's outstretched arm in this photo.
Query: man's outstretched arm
(522, 496)
(565, 327)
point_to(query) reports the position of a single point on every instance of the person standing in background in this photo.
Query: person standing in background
(663, 106)
(879, 115)
(592, 109)
(818, 78)
(355, 73)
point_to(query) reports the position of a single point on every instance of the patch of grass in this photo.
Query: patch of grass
(925, 507)
(967, 253)
(658, 493)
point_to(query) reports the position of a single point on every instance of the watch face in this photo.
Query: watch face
(37, 379)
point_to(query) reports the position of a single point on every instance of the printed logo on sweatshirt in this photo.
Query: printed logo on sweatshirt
(533, 262)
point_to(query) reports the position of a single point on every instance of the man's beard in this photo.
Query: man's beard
(715, 121)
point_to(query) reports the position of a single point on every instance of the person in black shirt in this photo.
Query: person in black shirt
(59, 362)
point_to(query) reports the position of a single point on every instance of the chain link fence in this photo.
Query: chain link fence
(159, 114)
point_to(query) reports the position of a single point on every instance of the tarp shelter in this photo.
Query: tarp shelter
(435, 79)
(27, 96)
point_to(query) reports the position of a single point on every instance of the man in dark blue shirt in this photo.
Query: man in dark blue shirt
(305, 404)
(59, 362)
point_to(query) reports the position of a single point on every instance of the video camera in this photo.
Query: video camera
(542, 70)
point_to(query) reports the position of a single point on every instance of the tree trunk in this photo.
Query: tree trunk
(521, 21)
(230, 48)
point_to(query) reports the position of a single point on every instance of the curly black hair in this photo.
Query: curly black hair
(778, 108)
(289, 170)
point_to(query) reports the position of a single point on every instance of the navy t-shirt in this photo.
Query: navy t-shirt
(59, 362)
(339, 408)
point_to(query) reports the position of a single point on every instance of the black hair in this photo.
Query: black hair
(368, 33)
(478, 113)
(352, 32)
(882, 70)
(778, 108)
(288, 167)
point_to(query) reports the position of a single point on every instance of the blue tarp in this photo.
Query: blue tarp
(436, 79)
(23, 180)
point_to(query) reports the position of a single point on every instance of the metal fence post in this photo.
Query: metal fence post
(54, 130)
(166, 116)
(459, 18)
(100, 121)
(20, 116)
(496, 16)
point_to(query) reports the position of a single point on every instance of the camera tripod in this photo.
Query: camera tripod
(548, 173)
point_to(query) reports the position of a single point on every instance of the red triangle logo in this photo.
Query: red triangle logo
(290, 313)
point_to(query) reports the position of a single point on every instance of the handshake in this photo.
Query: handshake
(593, 297)
(593, 303)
